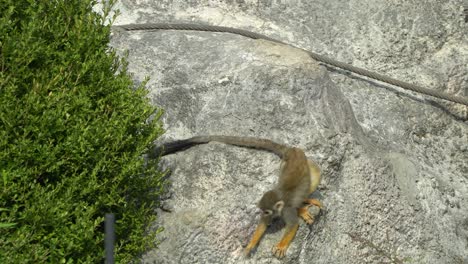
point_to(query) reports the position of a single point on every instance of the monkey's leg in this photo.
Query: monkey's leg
(262, 226)
(303, 212)
(315, 202)
(315, 175)
(280, 249)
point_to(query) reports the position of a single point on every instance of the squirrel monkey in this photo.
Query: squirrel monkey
(288, 200)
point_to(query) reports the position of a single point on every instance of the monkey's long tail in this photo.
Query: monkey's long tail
(248, 142)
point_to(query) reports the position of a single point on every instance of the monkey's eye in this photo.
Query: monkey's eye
(267, 212)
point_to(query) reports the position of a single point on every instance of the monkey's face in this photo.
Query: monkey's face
(267, 215)
(271, 205)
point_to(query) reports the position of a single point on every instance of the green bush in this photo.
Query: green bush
(73, 131)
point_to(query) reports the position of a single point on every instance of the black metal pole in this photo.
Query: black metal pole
(109, 238)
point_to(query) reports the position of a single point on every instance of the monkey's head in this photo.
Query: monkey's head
(271, 205)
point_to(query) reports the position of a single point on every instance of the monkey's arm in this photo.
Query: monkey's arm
(262, 226)
(280, 249)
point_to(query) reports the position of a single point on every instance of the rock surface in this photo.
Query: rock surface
(395, 172)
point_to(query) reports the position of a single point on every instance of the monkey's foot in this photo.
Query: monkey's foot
(303, 212)
(314, 202)
(279, 251)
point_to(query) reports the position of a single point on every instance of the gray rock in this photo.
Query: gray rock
(395, 173)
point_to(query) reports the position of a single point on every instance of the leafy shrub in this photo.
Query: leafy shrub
(73, 131)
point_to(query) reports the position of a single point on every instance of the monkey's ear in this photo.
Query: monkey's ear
(279, 206)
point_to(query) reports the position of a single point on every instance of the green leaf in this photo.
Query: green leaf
(73, 132)
(7, 225)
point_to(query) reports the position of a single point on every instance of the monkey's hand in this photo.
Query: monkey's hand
(247, 251)
(280, 250)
